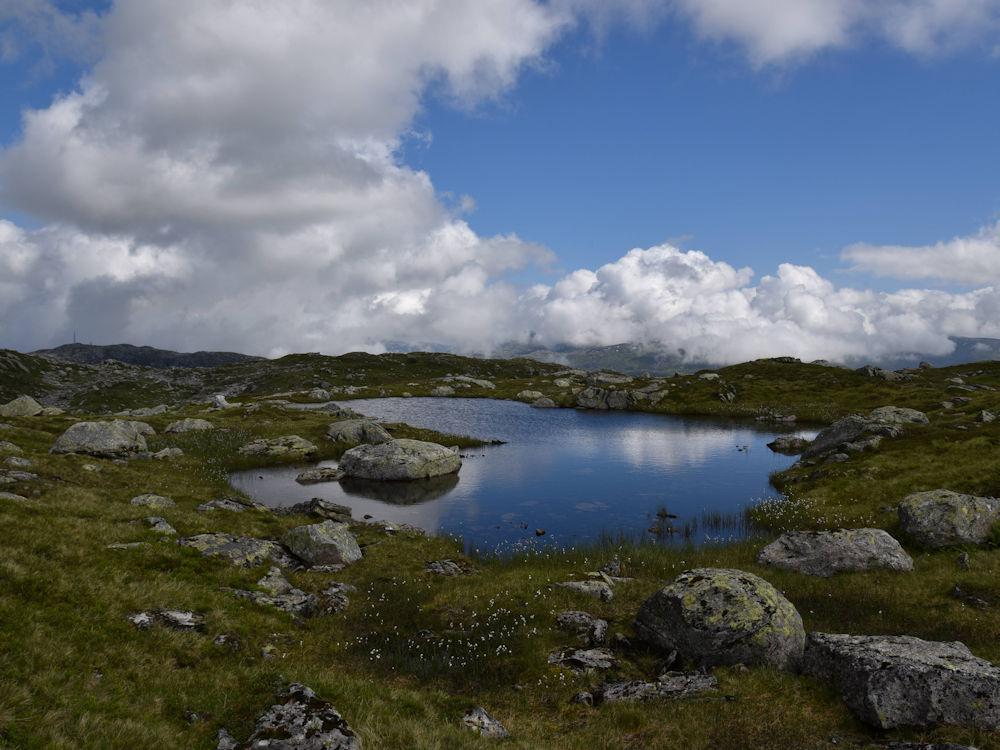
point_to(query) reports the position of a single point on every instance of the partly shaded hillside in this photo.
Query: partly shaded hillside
(143, 356)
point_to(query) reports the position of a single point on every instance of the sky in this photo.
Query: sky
(735, 178)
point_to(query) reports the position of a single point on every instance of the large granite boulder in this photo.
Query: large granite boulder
(286, 446)
(857, 432)
(400, 460)
(823, 553)
(717, 616)
(326, 543)
(189, 425)
(894, 681)
(941, 518)
(244, 551)
(22, 406)
(358, 431)
(299, 721)
(115, 439)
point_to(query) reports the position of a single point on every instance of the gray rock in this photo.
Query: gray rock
(168, 453)
(319, 507)
(12, 497)
(709, 376)
(446, 568)
(175, 619)
(189, 425)
(149, 411)
(886, 421)
(986, 416)
(116, 439)
(160, 526)
(321, 474)
(584, 660)
(335, 597)
(480, 722)
(219, 402)
(823, 553)
(300, 721)
(895, 681)
(443, 390)
(243, 551)
(529, 395)
(326, 543)
(789, 445)
(358, 432)
(157, 502)
(17, 462)
(280, 594)
(479, 382)
(231, 504)
(940, 518)
(22, 406)
(544, 403)
(286, 446)
(400, 460)
(338, 411)
(8, 447)
(669, 686)
(898, 415)
(593, 630)
(596, 589)
(717, 616)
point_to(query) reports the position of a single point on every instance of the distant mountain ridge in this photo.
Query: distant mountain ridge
(144, 356)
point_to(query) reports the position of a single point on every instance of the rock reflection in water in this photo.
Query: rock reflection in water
(400, 493)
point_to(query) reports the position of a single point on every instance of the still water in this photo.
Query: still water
(577, 475)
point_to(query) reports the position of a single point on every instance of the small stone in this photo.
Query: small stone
(8, 447)
(597, 589)
(964, 561)
(175, 619)
(445, 568)
(160, 525)
(168, 453)
(479, 721)
(593, 630)
(189, 425)
(153, 501)
(583, 698)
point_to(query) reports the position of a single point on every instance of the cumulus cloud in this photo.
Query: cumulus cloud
(226, 175)
(966, 260)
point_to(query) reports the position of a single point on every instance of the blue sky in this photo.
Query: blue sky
(207, 174)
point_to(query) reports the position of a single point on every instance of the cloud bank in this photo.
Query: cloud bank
(226, 175)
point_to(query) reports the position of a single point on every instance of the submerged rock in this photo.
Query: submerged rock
(22, 406)
(189, 425)
(716, 616)
(669, 686)
(321, 474)
(788, 445)
(300, 721)
(358, 431)
(116, 439)
(244, 551)
(480, 722)
(823, 553)
(400, 460)
(895, 681)
(286, 446)
(940, 518)
(326, 543)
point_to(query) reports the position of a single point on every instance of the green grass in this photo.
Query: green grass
(412, 652)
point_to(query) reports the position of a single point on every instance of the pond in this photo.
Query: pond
(579, 476)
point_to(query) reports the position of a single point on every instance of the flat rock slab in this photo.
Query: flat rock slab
(321, 474)
(669, 686)
(886, 421)
(823, 553)
(243, 551)
(149, 500)
(895, 681)
(941, 518)
(584, 660)
(231, 504)
(286, 446)
(8, 447)
(174, 619)
(717, 616)
(116, 439)
(326, 543)
(299, 721)
(189, 425)
(400, 460)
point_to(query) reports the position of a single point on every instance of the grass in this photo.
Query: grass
(413, 651)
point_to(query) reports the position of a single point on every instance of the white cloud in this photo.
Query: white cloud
(966, 260)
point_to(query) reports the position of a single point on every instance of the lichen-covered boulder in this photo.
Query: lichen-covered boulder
(115, 439)
(286, 446)
(239, 550)
(823, 553)
(894, 681)
(717, 616)
(358, 431)
(326, 543)
(22, 406)
(400, 460)
(941, 518)
(189, 425)
(300, 721)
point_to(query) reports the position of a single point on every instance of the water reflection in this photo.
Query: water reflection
(578, 475)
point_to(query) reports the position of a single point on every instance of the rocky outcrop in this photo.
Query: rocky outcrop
(246, 552)
(22, 406)
(189, 425)
(299, 721)
(895, 681)
(480, 722)
(400, 460)
(277, 592)
(326, 543)
(116, 439)
(357, 432)
(286, 446)
(941, 518)
(602, 398)
(823, 553)
(668, 686)
(788, 445)
(231, 504)
(320, 508)
(856, 432)
(716, 616)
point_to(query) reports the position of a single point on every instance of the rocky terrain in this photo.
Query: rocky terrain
(145, 604)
